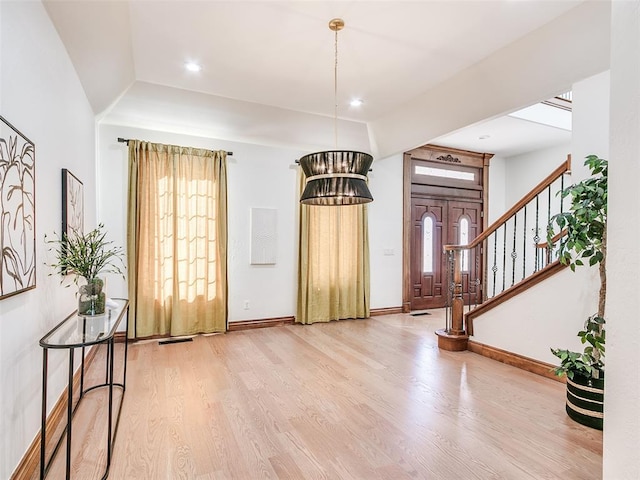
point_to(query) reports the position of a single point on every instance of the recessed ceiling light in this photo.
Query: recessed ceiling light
(193, 66)
(356, 102)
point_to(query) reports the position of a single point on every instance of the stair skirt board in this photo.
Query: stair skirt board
(515, 360)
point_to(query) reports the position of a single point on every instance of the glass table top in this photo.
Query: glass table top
(80, 330)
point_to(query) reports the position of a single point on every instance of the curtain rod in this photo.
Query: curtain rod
(126, 140)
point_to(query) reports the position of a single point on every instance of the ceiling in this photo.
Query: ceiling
(510, 135)
(281, 54)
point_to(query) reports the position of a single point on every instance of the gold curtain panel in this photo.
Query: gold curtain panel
(177, 240)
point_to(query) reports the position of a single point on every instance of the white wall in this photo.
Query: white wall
(524, 172)
(258, 176)
(385, 232)
(497, 189)
(622, 421)
(556, 308)
(547, 315)
(41, 96)
(590, 116)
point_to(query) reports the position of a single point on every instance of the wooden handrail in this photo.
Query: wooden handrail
(554, 239)
(455, 336)
(563, 168)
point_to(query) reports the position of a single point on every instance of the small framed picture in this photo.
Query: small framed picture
(72, 205)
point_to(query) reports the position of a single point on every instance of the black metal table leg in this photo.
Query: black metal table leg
(126, 351)
(69, 413)
(43, 420)
(82, 373)
(106, 366)
(68, 335)
(110, 346)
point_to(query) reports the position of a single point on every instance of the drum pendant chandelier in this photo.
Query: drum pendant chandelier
(336, 177)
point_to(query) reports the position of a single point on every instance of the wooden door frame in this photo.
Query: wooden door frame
(444, 155)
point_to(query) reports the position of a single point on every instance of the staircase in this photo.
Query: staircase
(515, 257)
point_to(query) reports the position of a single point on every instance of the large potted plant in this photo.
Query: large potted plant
(87, 256)
(581, 240)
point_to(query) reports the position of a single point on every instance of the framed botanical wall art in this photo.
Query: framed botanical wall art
(17, 211)
(72, 204)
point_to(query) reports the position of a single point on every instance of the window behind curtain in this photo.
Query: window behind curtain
(178, 234)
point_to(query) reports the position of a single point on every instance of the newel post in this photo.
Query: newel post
(454, 338)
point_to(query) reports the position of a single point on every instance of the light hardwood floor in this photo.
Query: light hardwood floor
(358, 399)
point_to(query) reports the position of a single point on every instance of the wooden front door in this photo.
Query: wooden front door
(444, 196)
(434, 223)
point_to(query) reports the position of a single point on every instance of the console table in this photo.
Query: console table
(79, 331)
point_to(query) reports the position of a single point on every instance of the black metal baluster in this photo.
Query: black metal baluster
(478, 273)
(471, 280)
(504, 257)
(561, 198)
(494, 268)
(561, 189)
(549, 205)
(514, 254)
(524, 244)
(536, 237)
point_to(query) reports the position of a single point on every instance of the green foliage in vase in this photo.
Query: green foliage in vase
(584, 239)
(86, 255)
(591, 361)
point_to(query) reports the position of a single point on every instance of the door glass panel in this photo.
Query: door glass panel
(427, 244)
(464, 240)
(444, 173)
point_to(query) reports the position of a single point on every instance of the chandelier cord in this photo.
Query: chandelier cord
(335, 92)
